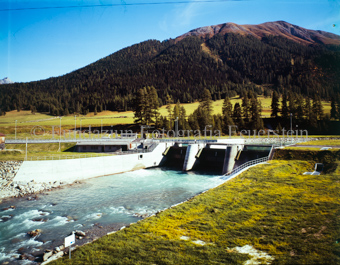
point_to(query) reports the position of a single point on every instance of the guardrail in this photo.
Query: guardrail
(63, 157)
(41, 141)
(139, 150)
(247, 164)
(279, 141)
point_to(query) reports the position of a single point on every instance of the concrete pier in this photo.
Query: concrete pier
(190, 157)
(229, 158)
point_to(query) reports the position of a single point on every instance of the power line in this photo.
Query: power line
(114, 5)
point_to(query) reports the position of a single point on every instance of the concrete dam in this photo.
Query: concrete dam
(215, 157)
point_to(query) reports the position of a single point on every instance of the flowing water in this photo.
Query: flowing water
(117, 199)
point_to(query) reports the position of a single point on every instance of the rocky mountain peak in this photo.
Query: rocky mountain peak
(6, 80)
(276, 28)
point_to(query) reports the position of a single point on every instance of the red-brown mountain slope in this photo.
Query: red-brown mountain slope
(278, 28)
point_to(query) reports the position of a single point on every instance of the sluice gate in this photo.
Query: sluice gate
(217, 158)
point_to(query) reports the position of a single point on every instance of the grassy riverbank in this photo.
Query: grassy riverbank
(272, 207)
(16, 152)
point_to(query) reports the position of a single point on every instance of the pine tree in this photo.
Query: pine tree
(245, 108)
(255, 112)
(317, 107)
(227, 107)
(307, 108)
(334, 109)
(237, 115)
(292, 105)
(284, 108)
(176, 110)
(138, 106)
(275, 105)
(168, 107)
(206, 102)
(145, 106)
(182, 119)
(151, 105)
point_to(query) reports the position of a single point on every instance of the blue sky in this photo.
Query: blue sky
(42, 39)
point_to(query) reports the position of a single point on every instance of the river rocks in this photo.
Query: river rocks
(40, 219)
(6, 218)
(34, 233)
(26, 257)
(47, 255)
(80, 234)
(21, 189)
(8, 208)
(8, 170)
(9, 188)
(145, 215)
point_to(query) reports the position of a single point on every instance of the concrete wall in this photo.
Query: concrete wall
(71, 170)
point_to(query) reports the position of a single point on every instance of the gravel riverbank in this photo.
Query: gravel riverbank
(10, 188)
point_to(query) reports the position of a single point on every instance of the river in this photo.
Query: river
(94, 205)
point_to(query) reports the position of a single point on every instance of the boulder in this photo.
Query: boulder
(80, 233)
(34, 233)
(47, 255)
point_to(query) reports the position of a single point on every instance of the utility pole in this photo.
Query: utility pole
(75, 125)
(26, 150)
(176, 128)
(80, 129)
(59, 133)
(15, 129)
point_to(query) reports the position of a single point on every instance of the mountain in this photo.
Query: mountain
(278, 28)
(6, 80)
(227, 59)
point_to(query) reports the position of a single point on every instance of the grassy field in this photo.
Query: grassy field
(40, 151)
(323, 142)
(294, 218)
(26, 121)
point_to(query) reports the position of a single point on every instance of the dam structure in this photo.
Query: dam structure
(218, 156)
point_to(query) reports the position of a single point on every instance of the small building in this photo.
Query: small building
(105, 146)
(2, 141)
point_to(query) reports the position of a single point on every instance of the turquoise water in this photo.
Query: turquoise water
(117, 199)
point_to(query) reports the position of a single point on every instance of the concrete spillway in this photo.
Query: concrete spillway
(190, 157)
(214, 157)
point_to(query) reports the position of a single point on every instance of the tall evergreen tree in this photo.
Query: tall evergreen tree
(246, 108)
(275, 105)
(284, 107)
(227, 107)
(146, 106)
(255, 112)
(307, 109)
(138, 106)
(237, 116)
(206, 102)
(292, 103)
(334, 109)
(317, 107)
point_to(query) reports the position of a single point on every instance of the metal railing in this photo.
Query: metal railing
(149, 149)
(187, 141)
(247, 164)
(72, 140)
(276, 140)
(64, 157)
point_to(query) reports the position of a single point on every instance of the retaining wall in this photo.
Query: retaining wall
(71, 170)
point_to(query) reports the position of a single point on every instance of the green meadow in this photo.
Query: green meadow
(44, 151)
(26, 121)
(273, 207)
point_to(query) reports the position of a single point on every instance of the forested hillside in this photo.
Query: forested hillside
(225, 64)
